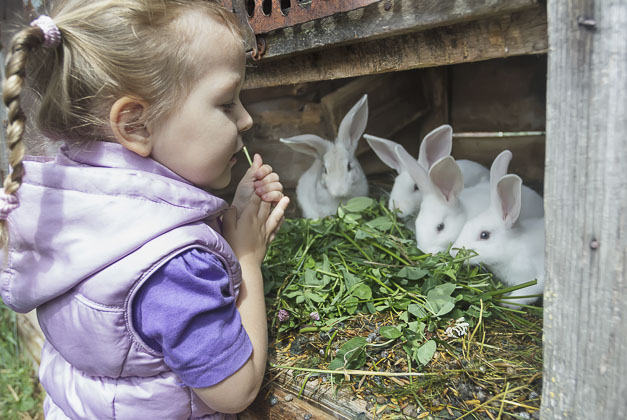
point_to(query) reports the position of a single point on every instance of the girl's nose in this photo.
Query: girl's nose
(245, 121)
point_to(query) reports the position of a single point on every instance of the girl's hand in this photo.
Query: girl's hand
(258, 179)
(250, 231)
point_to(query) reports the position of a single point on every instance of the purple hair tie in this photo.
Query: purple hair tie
(8, 203)
(52, 35)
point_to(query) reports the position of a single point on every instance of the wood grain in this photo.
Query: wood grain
(585, 337)
(381, 20)
(510, 35)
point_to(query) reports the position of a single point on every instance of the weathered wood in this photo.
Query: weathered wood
(510, 35)
(527, 150)
(337, 403)
(507, 94)
(395, 101)
(585, 337)
(292, 408)
(383, 19)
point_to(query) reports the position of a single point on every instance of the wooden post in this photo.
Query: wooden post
(585, 306)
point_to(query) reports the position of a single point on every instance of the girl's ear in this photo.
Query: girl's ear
(126, 119)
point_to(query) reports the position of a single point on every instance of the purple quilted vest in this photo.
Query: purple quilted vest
(92, 226)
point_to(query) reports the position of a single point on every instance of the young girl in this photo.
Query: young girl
(148, 310)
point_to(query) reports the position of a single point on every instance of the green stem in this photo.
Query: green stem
(511, 289)
(326, 350)
(327, 273)
(380, 282)
(313, 329)
(376, 245)
(369, 373)
(355, 245)
(518, 304)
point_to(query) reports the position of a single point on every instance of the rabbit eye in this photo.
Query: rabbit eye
(349, 166)
(440, 227)
(485, 235)
(415, 187)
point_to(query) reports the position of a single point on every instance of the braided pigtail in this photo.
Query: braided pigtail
(23, 42)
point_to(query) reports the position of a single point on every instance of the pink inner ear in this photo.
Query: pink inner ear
(436, 145)
(508, 189)
(384, 149)
(446, 176)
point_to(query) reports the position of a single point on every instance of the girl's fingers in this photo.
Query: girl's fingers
(268, 179)
(264, 210)
(272, 197)
(252, 206)
(271, 186)
(257, 161)
(251, 173)
(263, 171)
(276, 217)
(273, 234)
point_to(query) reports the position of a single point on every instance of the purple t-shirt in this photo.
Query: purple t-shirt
(186, 311)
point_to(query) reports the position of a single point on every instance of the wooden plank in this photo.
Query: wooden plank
(383, 19)
(510, 35)
(507, 94)
(527, 149)
(395, 101)
(286, 406)
(585, 337)
(337, 403)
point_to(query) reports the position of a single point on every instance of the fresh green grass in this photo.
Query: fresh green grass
(20, 393)
(353, 303)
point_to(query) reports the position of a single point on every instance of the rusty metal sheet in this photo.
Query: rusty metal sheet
(267, 15)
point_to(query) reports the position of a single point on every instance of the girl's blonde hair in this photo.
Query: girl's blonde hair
(146, 49)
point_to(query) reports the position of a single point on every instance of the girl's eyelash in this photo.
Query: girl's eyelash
(229, 106)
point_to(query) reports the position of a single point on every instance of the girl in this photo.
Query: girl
(148, 310)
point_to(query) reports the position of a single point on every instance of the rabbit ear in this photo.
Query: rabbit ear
(447, 179)
(437, 144)
(417, 172)
(499, 166)
(353, 124)
(385, 150)
(508, 192)
(309, 144)
(498, 170)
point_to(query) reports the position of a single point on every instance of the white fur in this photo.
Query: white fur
(514, 247)
(406, 195)
(448, 205)
(532, 205)
(335, 176)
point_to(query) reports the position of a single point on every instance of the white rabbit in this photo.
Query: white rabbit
(511, 248)
(406, 195)
(532, 205)
(335, 175)
(446, 205)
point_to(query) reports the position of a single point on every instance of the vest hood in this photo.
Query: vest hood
(84, 210)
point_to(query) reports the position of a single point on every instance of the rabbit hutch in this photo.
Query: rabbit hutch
(544, 80)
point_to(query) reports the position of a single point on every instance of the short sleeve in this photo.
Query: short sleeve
(186, 311)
